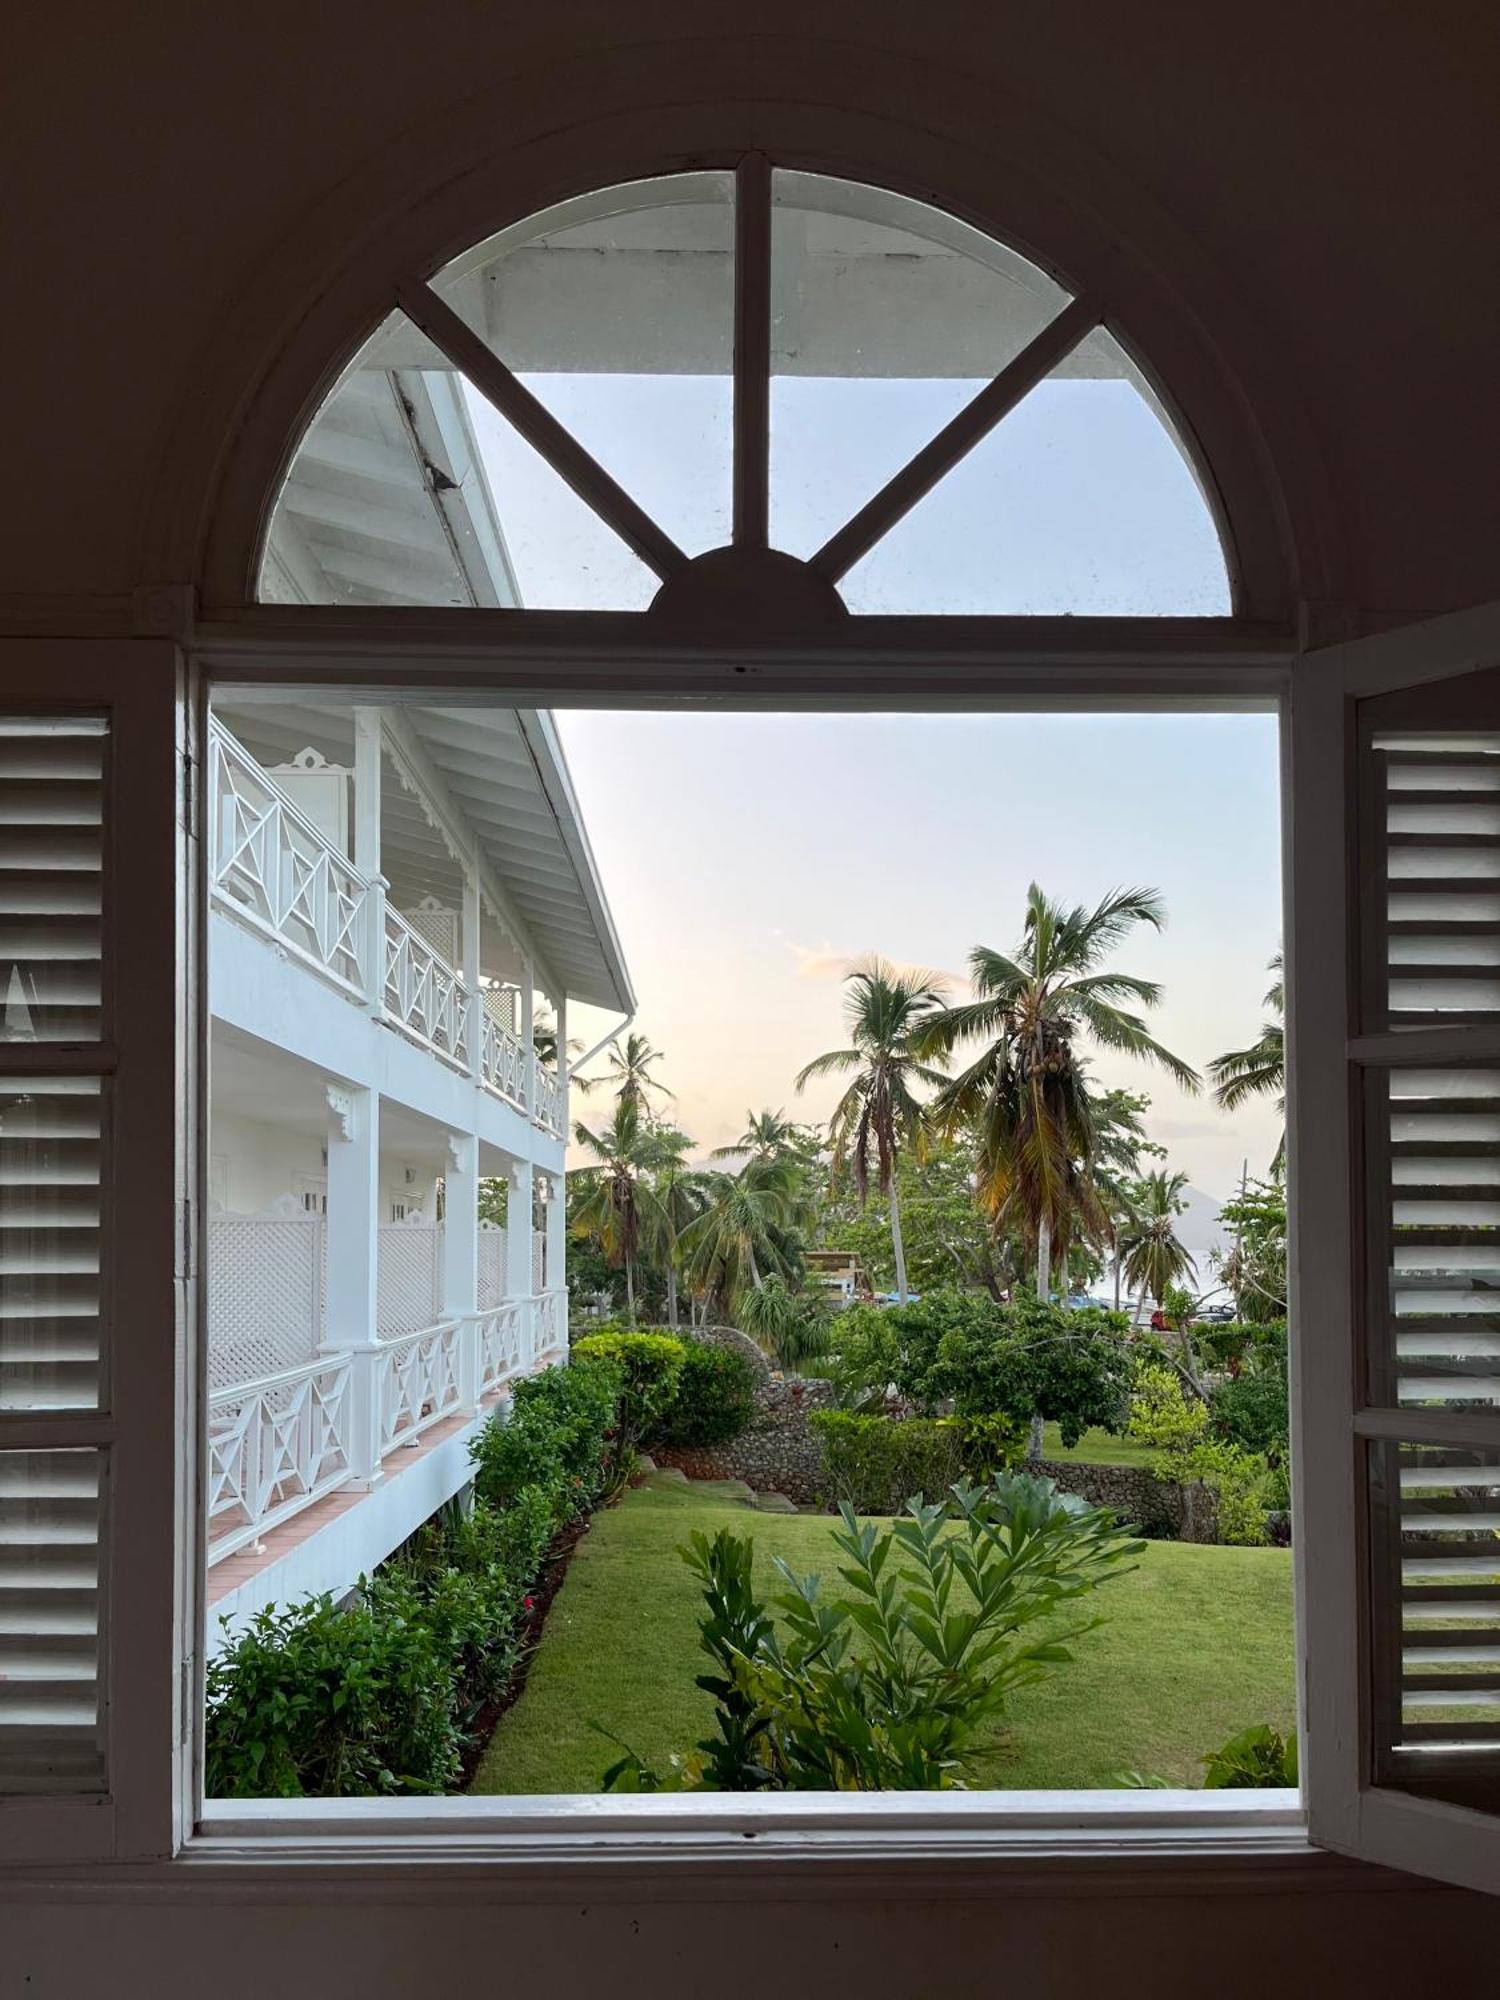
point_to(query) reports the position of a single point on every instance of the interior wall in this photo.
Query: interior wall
(1316, 187)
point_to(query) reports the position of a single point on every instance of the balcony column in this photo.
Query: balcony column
(352, 1249)
(526, 1029)
(461, 1256)
(369, 736)
(555, 1266)
(518, 1199)
(470, 970)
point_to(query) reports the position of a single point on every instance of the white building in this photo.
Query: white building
(403, 902)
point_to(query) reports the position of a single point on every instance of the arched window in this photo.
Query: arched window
(758, 394)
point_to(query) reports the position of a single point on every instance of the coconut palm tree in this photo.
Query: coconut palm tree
(618, 1207)
(887, 1012)
(1024, 1093)
(1120, 1143)
(630, 1072)
(767, 1134)
(747, 1227)
(1260, 1070)
(1156, 1259)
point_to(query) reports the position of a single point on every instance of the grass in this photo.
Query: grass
(1197, 1645)
(1096, 1448)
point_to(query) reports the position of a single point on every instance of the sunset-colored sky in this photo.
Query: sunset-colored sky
(749, 858)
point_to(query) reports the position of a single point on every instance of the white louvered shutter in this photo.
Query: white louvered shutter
(1394, 1038)
(52, 781)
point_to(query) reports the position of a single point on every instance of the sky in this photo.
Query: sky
(749, 859)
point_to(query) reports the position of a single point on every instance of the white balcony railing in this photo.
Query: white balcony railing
(503, 1061)
(274, 1447)
(277, 872)
(280, 1444)
(423, 995)
(547, 1111)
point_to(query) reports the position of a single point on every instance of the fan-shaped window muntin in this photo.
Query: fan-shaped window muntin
(706, 392)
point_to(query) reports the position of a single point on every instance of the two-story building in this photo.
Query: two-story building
(403, 905)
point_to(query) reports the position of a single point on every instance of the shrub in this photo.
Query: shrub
(1251, 1411)
(558, 1437)
(1241, 1482)
(714, 1399)
(648, 1365)
(1256, 1759)
(885, 1689)
(319, 1701)
(872, 1463)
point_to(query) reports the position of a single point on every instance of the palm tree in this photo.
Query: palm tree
(619, 1208)
(682, 1193)
(1260, 1070)
(747, 1228)
(629, 1072)
(766, 1136)
(887, 1013)
(1024, 1094)
(1156, 1259)
(1119, 1143)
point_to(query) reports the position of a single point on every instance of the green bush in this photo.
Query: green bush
(1251, 1411)
(648, 1365)
(873, 1463)
(1257, 1759)
(559, 1437)
(714, 1399)
(1177, 1427)
(885, 1688)
(319, 1701)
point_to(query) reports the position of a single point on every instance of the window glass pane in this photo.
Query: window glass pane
(50, 1158)
(51, 1725)
(617, 311)
(887, 316)
(51, 872)
(1436, 1541)
(1441, 833)
(1436, 1329)
(1080, 501)
(409, 488)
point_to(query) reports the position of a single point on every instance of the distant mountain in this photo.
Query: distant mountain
(1201, 1231)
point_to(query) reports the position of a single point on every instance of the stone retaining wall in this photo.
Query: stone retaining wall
(781, 1453)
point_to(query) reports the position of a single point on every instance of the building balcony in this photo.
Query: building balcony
(277, 874)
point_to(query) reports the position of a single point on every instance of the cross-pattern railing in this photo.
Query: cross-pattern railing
(420, 1383)
(503, 1061)
(502, 1345)
(277, 1445)
(274, 1447)
(423, 995)
(548, 1111)
(277, 872)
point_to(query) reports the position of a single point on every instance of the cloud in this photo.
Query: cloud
(821, 961)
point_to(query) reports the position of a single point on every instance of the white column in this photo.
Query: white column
(557, 1228)
(518, 1251)
(368, 736)
(461, 1256)
(526, 1028)
(470, 970)
(352, 1249)
(561, 1008)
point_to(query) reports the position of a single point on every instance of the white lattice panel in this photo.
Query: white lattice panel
(264, 1295)
(491, 1268)
(410, 1277)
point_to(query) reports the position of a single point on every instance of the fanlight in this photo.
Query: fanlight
(738, 398)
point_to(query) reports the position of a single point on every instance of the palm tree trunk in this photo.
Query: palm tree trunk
(672, 1296)
(630, 1290)
(1034, 1438)
(1117, 1277)
(754, 1267)
(1044, 1258)
(898, 1247)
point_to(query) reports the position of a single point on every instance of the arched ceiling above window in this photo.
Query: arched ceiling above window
(752, 399)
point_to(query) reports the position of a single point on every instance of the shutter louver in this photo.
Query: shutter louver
(51, 1727)
(51, 827)
(1442, 856)
(50, 1172)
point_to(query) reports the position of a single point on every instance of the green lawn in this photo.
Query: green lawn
(1197, 1645)
(1096, 1448)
